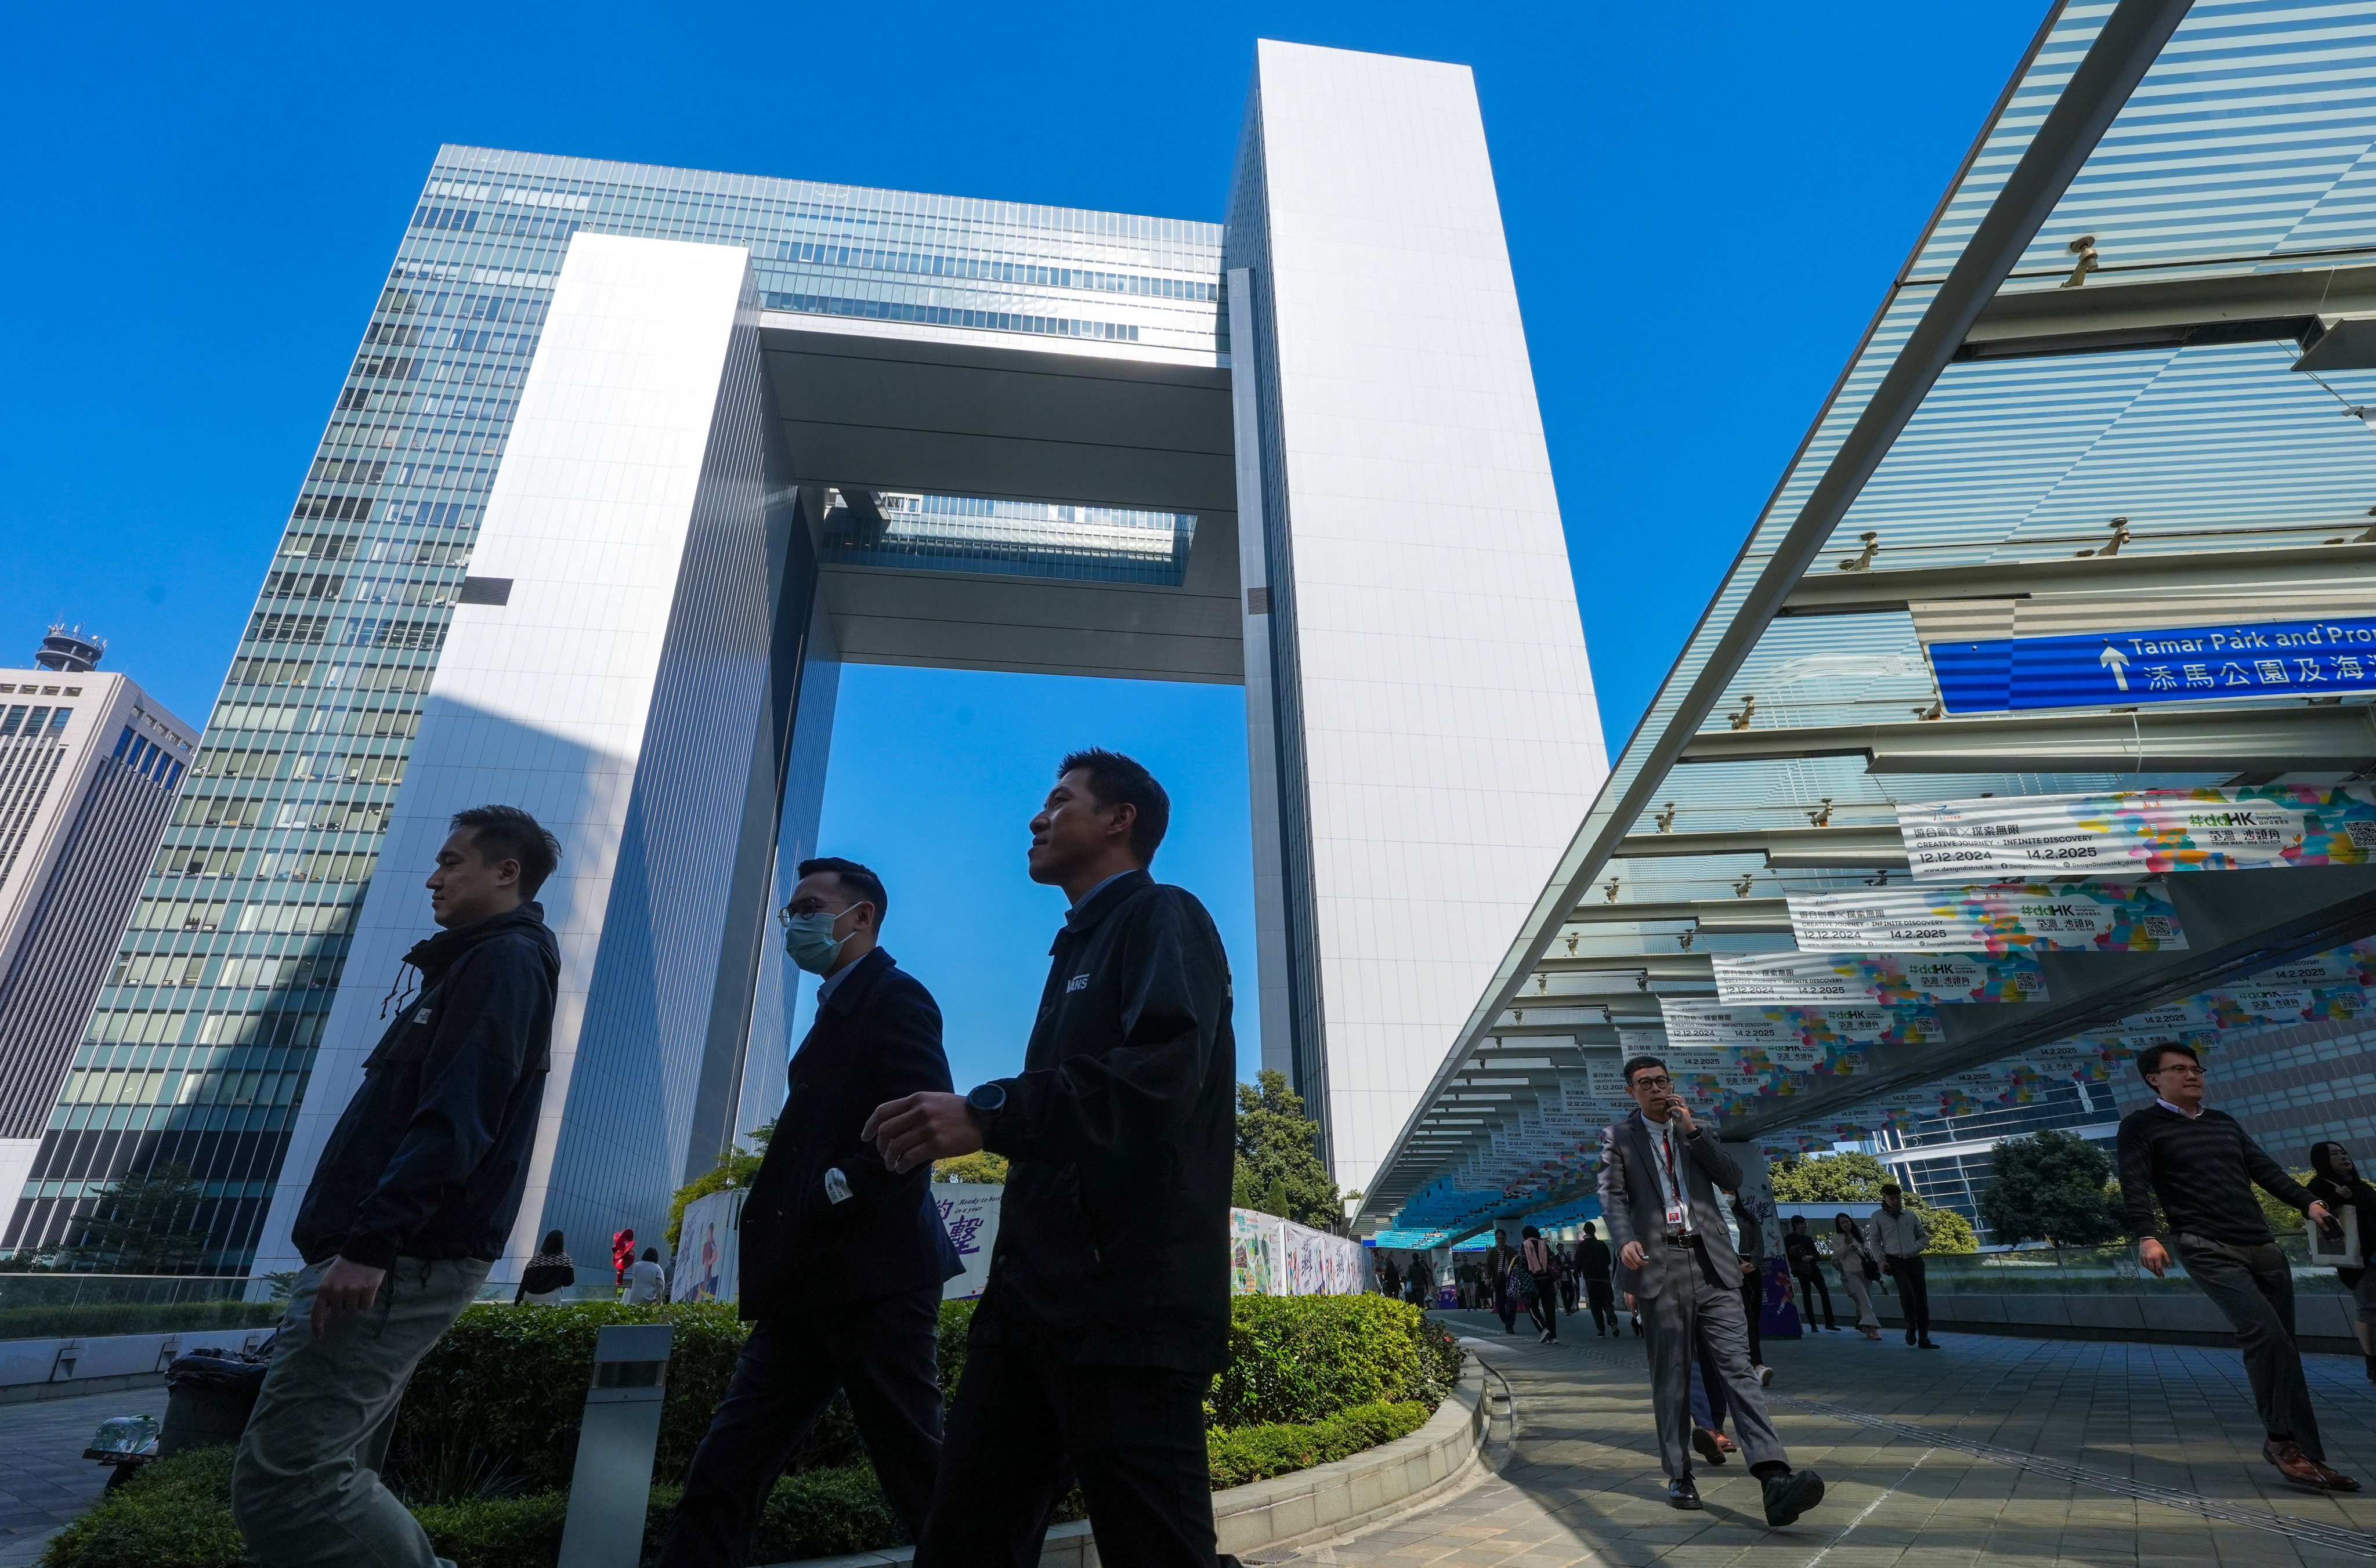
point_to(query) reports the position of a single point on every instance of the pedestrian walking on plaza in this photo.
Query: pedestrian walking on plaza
(1859, 1271)
(1539, 1283)
(1806, 1267)
(1753, 1282)
(1593, 1260)
(647, 1281)
(823, 1191)
(1501, 1260)
(1108, 1308)
(1902, 1235)
(1390, 1278)
(1419, 1283)
(1659, 1176)
(2335, 1182)
(412, 1201)
(1567, 1280)
(547, 1274)
(2202, 1168)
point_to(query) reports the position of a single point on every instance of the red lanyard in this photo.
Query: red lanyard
(1667, 1152)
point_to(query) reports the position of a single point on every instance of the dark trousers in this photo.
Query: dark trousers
(1810, 1285)
(1567, 1293)
(1689, 1317)
(1024, 1425)
(2254, 1288)
(1913, 1294)
(1753, 1306)
(1545, 1310)
(1505, 1302)
(879, 1353)
(1602, 1296)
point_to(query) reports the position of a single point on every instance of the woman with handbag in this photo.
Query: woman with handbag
(1859, 1271)
(2335, 1182)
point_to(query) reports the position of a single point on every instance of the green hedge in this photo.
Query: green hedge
(1253, 1454)
(1302, 1358)
(125, 1317)
(488, 1434)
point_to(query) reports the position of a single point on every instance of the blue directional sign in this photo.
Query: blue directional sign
(2299, 658)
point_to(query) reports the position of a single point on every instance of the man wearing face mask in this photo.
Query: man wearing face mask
(1108, 1306)
(865, 1322)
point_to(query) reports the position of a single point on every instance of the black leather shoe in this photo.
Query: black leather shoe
(1683, 1495)
(1788, 1496)
(1930, 1345)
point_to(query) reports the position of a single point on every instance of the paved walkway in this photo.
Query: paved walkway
(44, 1480)
(1990, 1451)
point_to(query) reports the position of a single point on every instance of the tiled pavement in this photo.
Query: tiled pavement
(44, 1479)
(1990, 1451)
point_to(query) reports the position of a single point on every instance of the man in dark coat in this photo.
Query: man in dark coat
(412, 1201)
(843, 1258)
(1107, 1310)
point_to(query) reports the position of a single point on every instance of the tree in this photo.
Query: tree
(1856, 1179)
(1278, 1169)
(981, 1166)
(737, 1167)
(133, 1225)
(2050, 1187)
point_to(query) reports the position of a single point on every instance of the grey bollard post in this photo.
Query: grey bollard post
(612, 1486)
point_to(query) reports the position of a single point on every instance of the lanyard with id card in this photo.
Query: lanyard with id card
(1675, 1217)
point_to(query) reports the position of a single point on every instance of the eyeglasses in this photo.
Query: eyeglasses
(1646, 1082)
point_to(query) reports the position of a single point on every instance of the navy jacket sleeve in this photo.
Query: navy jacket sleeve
(903, 1036)
(1132, 1098)
(473, 1061)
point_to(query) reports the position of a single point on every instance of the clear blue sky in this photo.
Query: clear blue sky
(1703, 203)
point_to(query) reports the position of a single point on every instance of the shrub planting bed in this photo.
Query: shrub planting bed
(488, 1436)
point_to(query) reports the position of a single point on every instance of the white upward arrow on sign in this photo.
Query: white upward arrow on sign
(2112, 659)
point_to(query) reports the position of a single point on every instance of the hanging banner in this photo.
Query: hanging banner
(2036, 917)
(1891, 980)
(2156, 664)
(2134, 832)
(1802, 1039)
(1974, 1090)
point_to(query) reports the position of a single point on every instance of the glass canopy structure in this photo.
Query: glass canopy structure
(2032, 723)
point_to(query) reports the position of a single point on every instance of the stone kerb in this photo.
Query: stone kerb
(1327, 1499)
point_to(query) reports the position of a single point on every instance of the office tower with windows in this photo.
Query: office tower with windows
(90, 765)
(632, 459)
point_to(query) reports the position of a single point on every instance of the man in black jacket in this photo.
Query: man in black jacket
(866, 1322)
(1108, 1306)
(2204, 1168)
(1593, 1262)
(411, 1202)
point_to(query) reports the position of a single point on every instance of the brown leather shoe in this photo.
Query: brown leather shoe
(2334, 1480)
(2299, 1467)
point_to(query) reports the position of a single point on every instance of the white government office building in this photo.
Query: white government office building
(633, 459)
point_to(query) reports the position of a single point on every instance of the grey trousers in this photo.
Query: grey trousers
(2253, 1287)
(305, 1488)
(1689, 1310)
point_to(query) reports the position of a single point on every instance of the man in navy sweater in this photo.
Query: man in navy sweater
(2201, 1165)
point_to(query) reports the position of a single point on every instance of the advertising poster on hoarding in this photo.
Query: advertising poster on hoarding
(1889, 979)
(969, 1215)
(710, 1249)
(2141, 832)
(2038, 917)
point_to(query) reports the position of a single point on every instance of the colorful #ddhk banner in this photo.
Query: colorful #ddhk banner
(2134, 832)
(2035, 917)
(1800, 1038)
(1889, 980)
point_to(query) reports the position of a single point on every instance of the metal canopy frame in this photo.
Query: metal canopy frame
(1796, 792)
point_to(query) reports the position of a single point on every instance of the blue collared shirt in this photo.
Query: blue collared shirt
(1101, 887)
(825, 986)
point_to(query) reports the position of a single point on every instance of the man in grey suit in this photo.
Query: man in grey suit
(1660, 1172)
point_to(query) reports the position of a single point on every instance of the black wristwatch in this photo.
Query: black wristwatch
(986, 1100)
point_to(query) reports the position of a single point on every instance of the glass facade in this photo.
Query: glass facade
(201, 1045)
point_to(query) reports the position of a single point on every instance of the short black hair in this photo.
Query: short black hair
(1637, 1063)
(1798, 1219)
(1588, 1230)
(1117, 780)
(2149, 1059)
(508, 833)
(862, 884)
(651, 1254)
(1889, 1187)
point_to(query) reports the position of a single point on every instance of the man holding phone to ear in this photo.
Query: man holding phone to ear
(1660, 1177)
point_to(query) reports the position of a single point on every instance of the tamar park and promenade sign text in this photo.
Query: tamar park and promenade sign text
(2172, 664)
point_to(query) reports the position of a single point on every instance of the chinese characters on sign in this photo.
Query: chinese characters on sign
(2038, 917)
(2134, 832)
(2174, 664)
